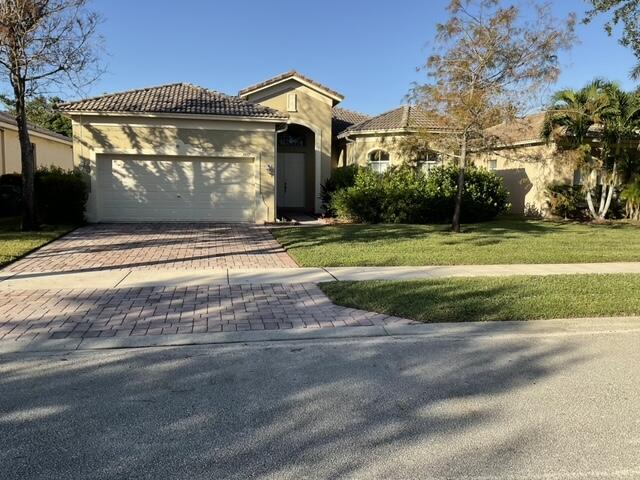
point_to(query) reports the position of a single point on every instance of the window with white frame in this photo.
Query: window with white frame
(379, 160)
(493, 164)
(428, 161)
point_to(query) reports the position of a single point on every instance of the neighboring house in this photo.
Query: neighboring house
(50, 148)
(527, 163)
(376, 141)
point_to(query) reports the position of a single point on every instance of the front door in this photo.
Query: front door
(291, 180)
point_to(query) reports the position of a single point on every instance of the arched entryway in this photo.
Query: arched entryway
(296, 170)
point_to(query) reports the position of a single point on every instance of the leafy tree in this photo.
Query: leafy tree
(488, 65)
(592, 126)
(44, 112)
(43, 43)
(625, 12)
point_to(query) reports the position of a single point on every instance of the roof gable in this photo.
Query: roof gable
(176, 98)
(520, 130)
(406, 118)
(298, 77)
(341, 119)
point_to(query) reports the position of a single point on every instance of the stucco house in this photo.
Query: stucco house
(50, 148)
(185, 153)
(180, 152)
(527, 163)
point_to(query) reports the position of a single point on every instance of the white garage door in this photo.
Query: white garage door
(140, 188)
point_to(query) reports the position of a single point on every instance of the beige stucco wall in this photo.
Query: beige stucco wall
(48, 152)
(314, 111)
(358, 148)
(527, 171)
(102, 135)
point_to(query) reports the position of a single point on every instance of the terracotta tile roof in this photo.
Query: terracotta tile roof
(287, 75)
(526, 129)
(10, 119)
(178, 98)
(341, 119)
(406, 117)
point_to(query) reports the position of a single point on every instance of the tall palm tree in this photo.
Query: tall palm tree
(570, 120)
(620, 123)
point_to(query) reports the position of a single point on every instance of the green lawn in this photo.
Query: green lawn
(14, 243)
(494, 298)
(501, 241)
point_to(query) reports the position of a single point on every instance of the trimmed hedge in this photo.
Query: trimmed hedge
(60, 195)
(406, 195)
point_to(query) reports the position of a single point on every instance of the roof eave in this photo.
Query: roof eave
(241, 118)
(350, 133)
(53, 136)
(336, 97)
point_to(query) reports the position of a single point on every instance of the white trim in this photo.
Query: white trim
(377, 148)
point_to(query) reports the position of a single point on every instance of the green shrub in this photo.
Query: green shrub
(60, 195)
(361, 202)
(484, 196)
(631, 196)
(341, 178)
(406, 195)
(567, 201)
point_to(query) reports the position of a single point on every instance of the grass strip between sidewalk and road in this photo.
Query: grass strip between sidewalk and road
(505, 241)
(15, 244)
(494, 298)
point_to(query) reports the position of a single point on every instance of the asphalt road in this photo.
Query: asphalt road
(504, 407)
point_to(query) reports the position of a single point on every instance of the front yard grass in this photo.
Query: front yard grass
(494, 298)
(499, 242)
(15, 244)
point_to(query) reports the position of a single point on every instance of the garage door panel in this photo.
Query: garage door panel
(127, 214)
(177, 189)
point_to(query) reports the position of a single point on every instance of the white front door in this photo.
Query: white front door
(291, 180)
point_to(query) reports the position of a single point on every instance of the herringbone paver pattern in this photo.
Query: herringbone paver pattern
(55, 314)
(158, 246)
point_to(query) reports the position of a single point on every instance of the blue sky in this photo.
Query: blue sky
(366, 50)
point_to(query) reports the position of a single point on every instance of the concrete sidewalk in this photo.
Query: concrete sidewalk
(132, 278)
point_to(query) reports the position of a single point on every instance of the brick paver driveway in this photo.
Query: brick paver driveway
(88, 313)
(55, 314)
(158, 246)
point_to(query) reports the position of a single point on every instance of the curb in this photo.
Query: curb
(532, 328)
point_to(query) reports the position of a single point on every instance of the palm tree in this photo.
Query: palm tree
(571, 120)
(620, 123)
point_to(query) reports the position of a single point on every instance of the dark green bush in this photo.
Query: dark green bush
(341, 178)
(405, 195)
(60, 195)
(567, 201)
